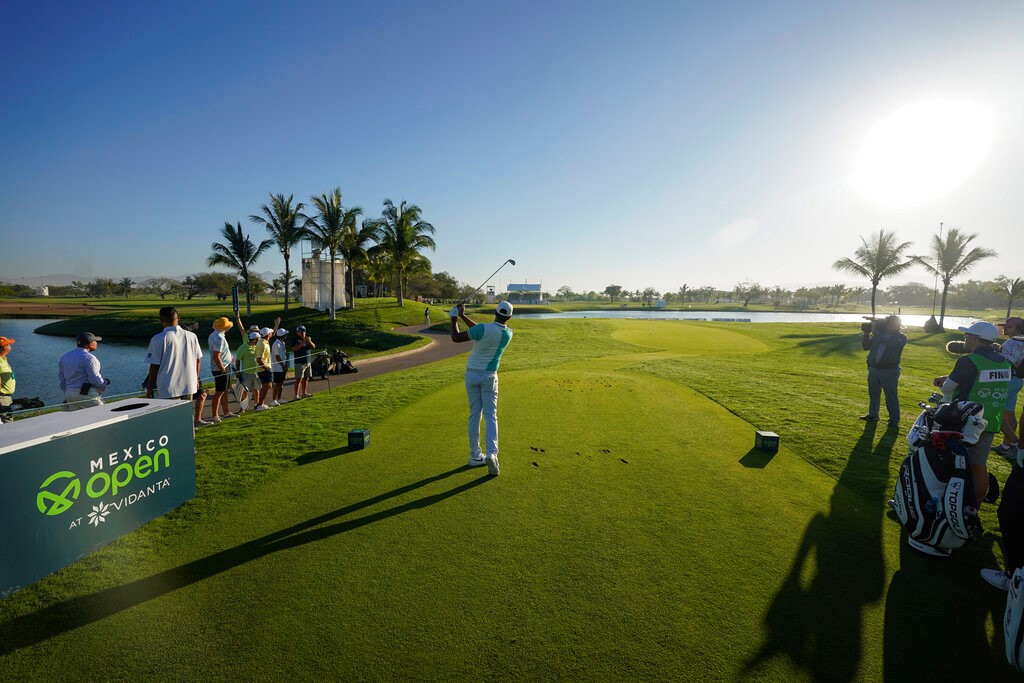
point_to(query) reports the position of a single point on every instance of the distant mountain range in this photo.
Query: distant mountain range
(64, 279)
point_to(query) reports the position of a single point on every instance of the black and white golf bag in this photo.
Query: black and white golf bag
(1013, 621)
(934, 498)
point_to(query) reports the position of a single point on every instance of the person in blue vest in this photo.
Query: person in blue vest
(489, 341)
(982, 376)
(884, 343)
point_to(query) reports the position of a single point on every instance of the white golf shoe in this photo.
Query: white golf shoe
(996, 579)
(492, 465)
(477, 461)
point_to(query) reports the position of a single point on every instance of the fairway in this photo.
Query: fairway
(633, 533)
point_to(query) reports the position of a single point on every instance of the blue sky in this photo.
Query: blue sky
(642, 144)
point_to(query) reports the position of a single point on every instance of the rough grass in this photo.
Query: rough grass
(633, 533)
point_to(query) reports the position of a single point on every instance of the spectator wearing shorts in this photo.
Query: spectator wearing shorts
(303, 370)
(1013, 351)
(7, 380)
(279, 364)
(263, 367)
(174, 356)
(981, 376)
(220, 359)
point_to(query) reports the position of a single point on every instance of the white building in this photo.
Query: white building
(316, 282)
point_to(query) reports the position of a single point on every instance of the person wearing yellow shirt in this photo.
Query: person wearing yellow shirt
(6, 379)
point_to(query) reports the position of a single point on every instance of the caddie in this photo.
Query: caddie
(983, 376)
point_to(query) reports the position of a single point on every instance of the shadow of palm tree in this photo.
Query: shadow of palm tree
(817, 622)
(64, 616)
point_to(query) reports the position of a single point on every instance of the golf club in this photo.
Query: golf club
(487, 280)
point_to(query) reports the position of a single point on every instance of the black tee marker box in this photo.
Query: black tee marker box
(766, 441)
(359, 438)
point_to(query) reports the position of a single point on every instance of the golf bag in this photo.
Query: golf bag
(934, 498)
(321, 365)
(340, 364)
(1013, 621)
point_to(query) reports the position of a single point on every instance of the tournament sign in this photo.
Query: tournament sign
(71, 483)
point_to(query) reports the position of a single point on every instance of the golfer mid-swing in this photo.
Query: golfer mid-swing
(489, 342)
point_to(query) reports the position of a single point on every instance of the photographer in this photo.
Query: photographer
(79, 374)
(884, 343)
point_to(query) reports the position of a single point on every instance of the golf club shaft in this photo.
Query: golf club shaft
(488, 280)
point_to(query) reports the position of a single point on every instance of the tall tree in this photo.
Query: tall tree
(403, 234)
(287, 227)
(950, 257)
(876, 260)
(327, 229)
(125, 287)
(238, 252)
(355, 246)
(1011, 289)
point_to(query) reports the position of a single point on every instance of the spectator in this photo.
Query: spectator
(884, 343)
(303, 371)
(174, 356)
(279, 364)
(6, 380)
(1011, 525)
(982, 376)
(1013, 351)
(263, 368)
(220, 359)
(79, 374)
(245, 361)
(426, 316)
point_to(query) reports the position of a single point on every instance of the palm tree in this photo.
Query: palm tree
(402, 235)
(355, 246)
(327, 229)
(238, 252)
(951, 258)
(286, 225)
(125, 287)
(378, 269)
(1011, 288)
(876, 260)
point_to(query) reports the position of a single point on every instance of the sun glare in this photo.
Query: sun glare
(922, 151)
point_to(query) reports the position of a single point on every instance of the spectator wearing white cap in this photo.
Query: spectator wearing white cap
(983, 376)
(489, 342)
(279, 364)
(79, 374)
(263, 367)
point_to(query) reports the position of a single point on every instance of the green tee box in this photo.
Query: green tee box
(71, 483)
(359, 438)
(766, 441)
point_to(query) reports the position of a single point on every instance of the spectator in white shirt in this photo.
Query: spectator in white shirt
(174, 357)
(279, 364)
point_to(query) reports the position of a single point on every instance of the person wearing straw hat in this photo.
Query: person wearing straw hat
(79, 374)
(7, 381)
(220, 360)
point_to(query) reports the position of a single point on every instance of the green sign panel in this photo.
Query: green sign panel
(73, 482)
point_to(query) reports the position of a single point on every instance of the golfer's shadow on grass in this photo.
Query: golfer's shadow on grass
(818, 627)
(48, 622)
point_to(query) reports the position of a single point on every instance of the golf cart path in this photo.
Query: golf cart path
(440, 347)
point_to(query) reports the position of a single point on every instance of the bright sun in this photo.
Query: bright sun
(923, 151)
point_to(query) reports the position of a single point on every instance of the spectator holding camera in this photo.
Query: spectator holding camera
(884, 342)
(79, 374)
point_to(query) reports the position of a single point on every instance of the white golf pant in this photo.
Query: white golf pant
(482, 389)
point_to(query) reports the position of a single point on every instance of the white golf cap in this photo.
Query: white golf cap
(266, 331)
(282, 332)
(982, 330)
(504, 308)
(254, 335)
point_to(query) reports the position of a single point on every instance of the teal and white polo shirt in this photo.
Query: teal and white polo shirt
(489, 342)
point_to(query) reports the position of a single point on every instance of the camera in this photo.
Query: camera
(868, 327)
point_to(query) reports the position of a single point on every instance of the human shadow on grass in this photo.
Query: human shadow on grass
(816, 617)
(828, 344)
(936, 616)
(61, 617)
